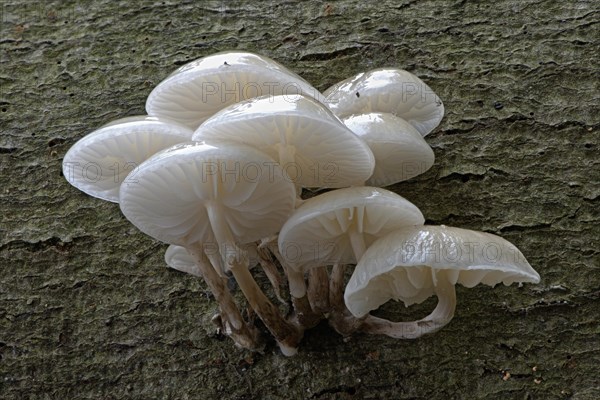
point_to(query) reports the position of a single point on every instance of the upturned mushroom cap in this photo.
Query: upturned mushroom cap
(175, 190)
(320, 232)
(100, 161)
(407, 264)
(202, 87)
(400, 151)
(387, 90)
(311, 144)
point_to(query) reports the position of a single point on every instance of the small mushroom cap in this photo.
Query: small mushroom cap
(178, 258)
(308, 132)
(174, 190)
(400, 151)
(318, 232)
(100, 161)
(387, 90)
(202, 87)
(406, 264)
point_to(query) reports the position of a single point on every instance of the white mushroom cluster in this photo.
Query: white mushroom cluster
(217, 169)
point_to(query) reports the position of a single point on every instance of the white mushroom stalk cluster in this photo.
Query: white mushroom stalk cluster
(217, 169)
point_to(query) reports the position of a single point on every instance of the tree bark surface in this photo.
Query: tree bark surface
(88, 309)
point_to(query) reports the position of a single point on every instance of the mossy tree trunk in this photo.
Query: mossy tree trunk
(87, 308)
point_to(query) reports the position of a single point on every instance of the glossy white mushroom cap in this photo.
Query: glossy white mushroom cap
(400, 151)
(311, 144)
(318, 233)
(387, 90)
(100, 161)
(406, 264)
(202, 87)
(175, 190)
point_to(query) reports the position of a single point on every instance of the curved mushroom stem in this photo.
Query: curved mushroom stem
(243, 334)
(340, 317)
(345, 323)
(439, 317)
(318, 289)
(287, 335)
(305, 316)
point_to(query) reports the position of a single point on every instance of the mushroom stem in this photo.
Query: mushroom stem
(318, 289)
(336, 288)
(295, 278)
(357, 240)
(345, 323)
(286, 334)
(213, 258)
(340, 318)
(439, 317)
(304, 313)
(266, 262)
(233, 323)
